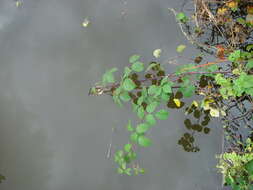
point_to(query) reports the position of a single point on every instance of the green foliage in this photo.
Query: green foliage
(237, 169)
(181, 17)
(108, 76)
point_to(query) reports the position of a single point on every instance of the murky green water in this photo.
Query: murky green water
(52, 135)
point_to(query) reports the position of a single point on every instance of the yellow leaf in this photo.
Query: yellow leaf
(214, 112)
(177, 102)
(223, 113)
(222, 11)
(195, 103)
(86, 23)
(232, 4)
(157, 53)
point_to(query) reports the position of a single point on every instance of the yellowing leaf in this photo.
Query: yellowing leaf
(249, 18)
(181, 48)
(157, 53)
(232, 4)
(177, 102)
(195, 103)
(223, 113)
(214, 112)
(222, 11)
(86, 23)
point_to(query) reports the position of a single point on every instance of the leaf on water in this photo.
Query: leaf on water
(157, 53)
(86, 23)
(181, 48)
(18, 3)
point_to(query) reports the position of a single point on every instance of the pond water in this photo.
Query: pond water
(53, 136)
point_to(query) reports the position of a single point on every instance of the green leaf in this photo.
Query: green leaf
(165, 97)
(134, 137)
(134, 58)
(142, 128)
(129, 126)
(128, 84)
(167, 88)
(249, 167)
(162, 114)
(151, 66)
(128, 171)
(140, 112)
(150, 119)
(249, 64)
(120, 171)
(128, 147)
(188, 91)
(108, 76)
(181, 48)
(151, 107)
(127, 71)
(144, 141)
(138, 66)
(125, 97)
(152, 89)
(181, 17)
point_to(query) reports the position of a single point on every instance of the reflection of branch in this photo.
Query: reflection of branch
(191, 38)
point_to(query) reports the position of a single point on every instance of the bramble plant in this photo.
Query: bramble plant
(224, 87)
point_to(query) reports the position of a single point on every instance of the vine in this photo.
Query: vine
(224, 86)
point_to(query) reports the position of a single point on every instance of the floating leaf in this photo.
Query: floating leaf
(138, 66)
(86, 23)
(157, 53)
(128, 84)
(18, 3)
(144, 141)
(181, 48)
